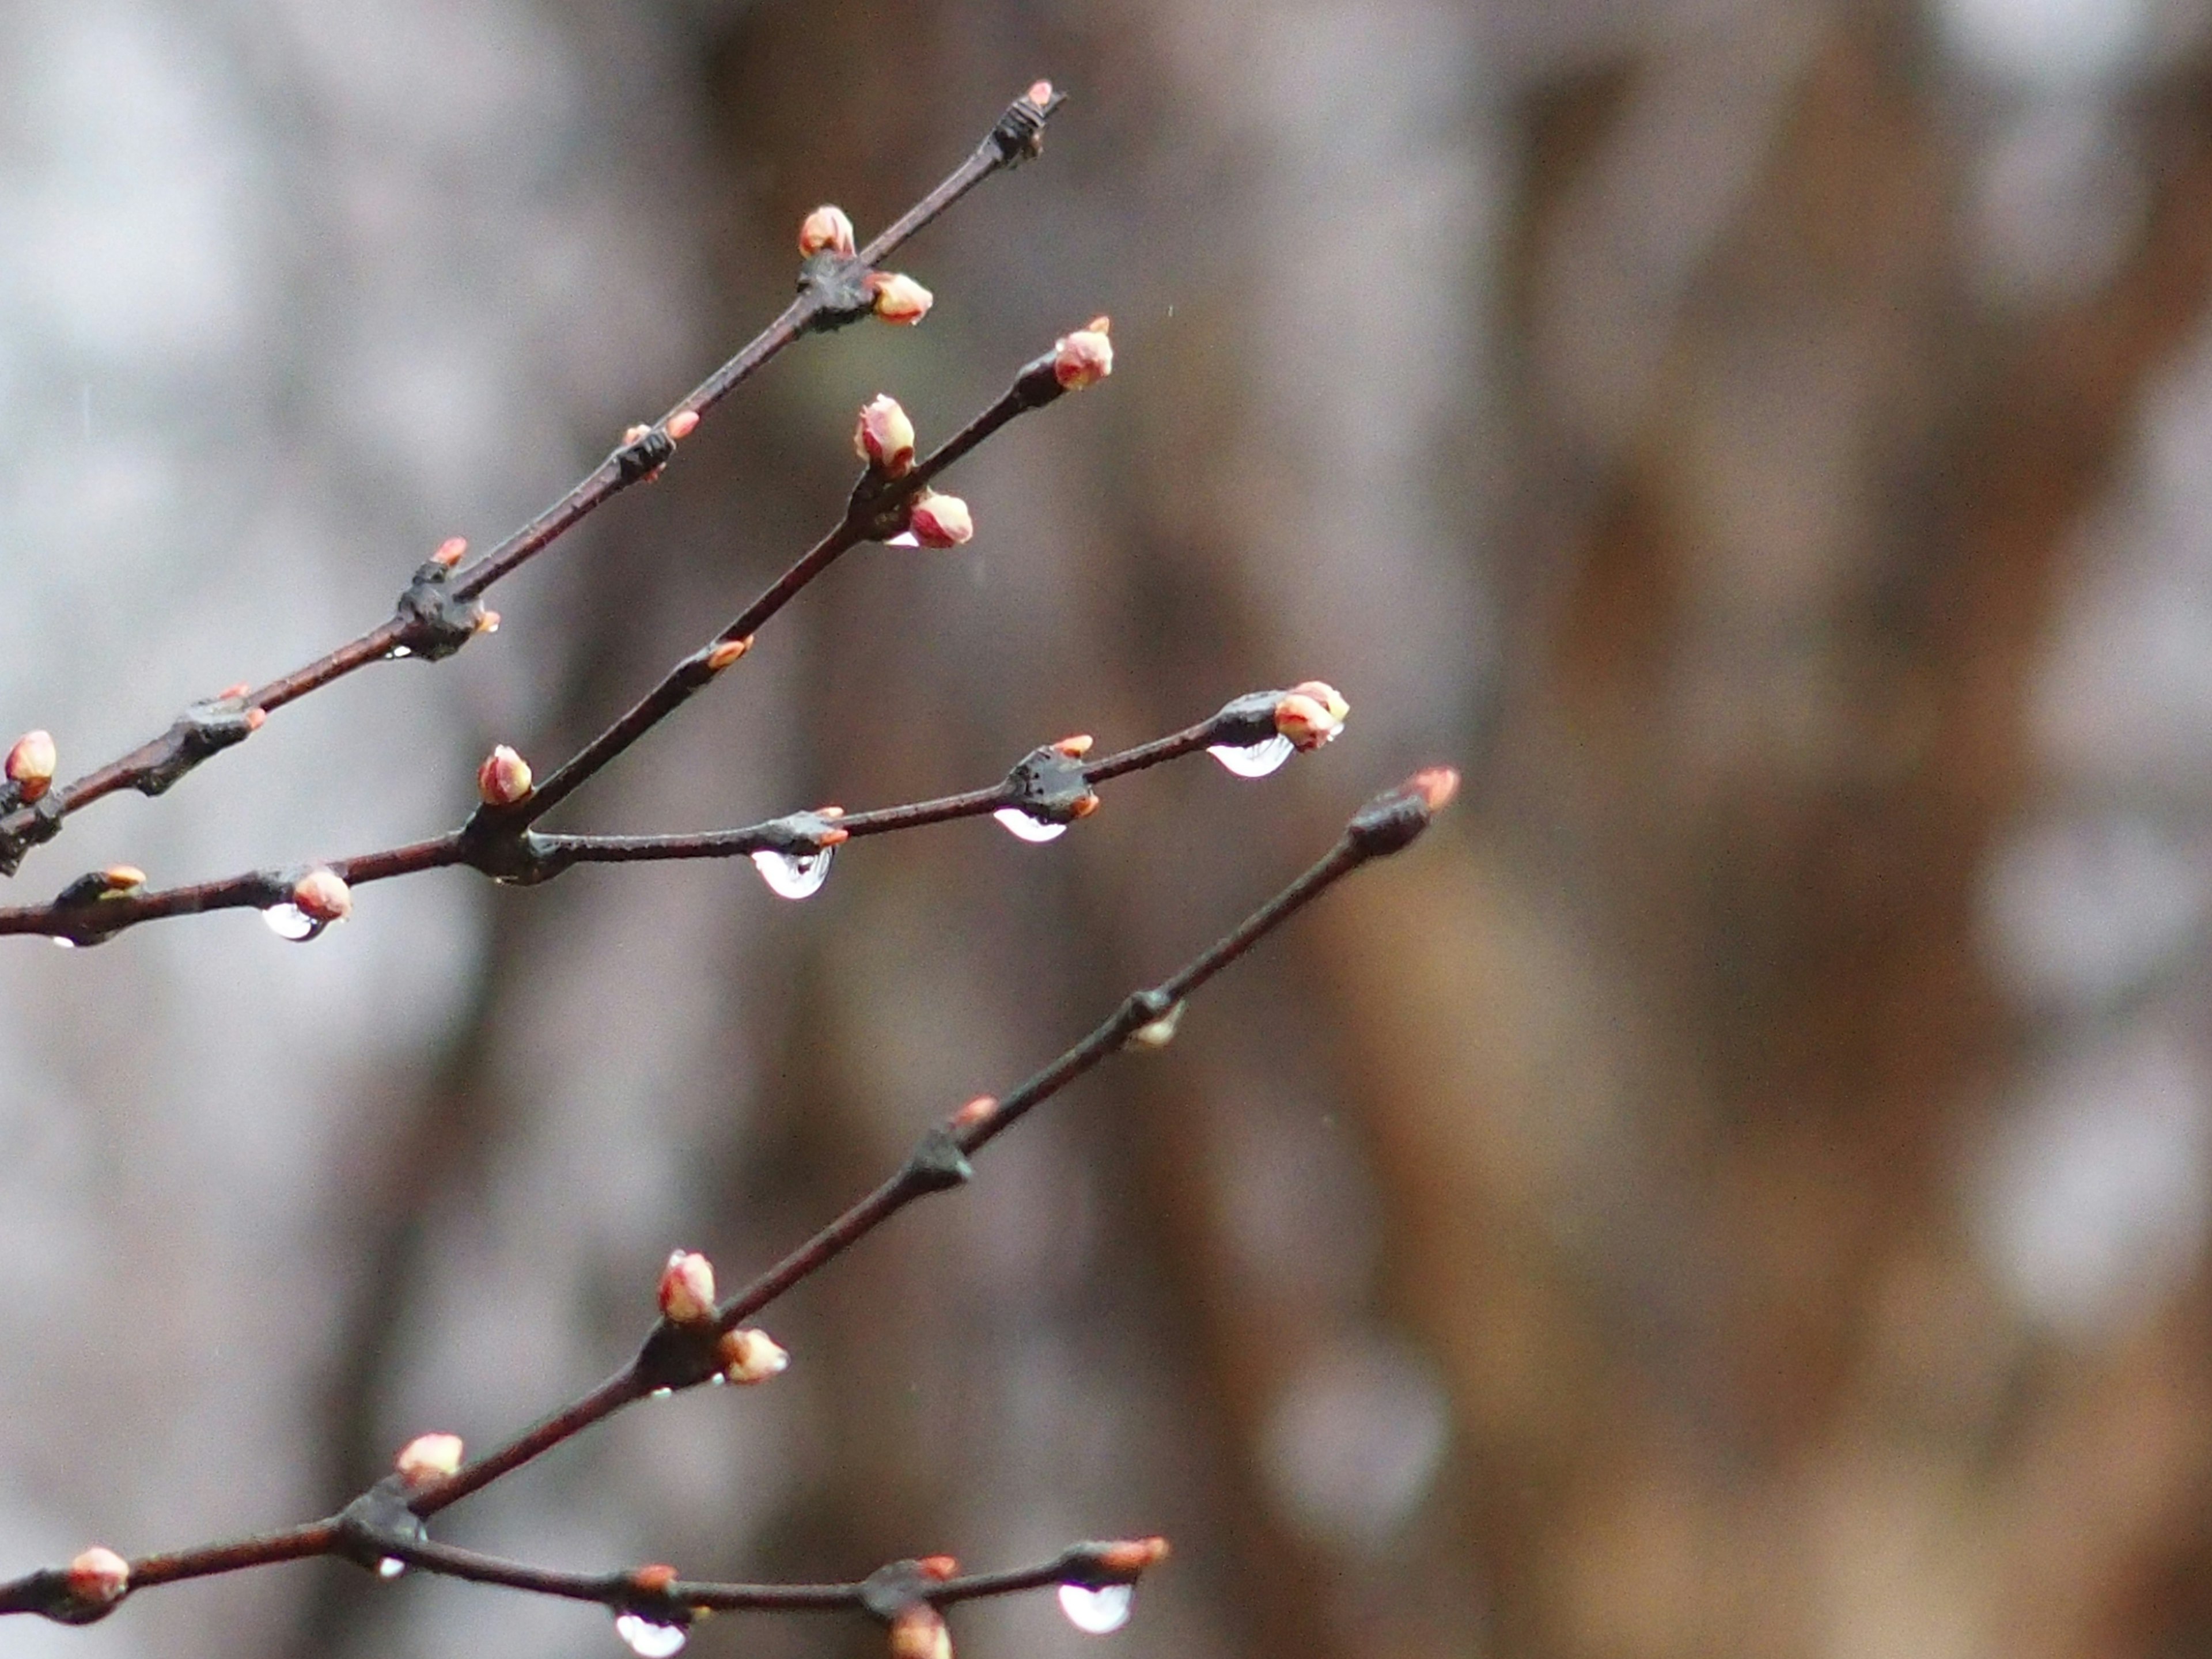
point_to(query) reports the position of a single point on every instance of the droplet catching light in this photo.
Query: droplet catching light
(1021, 825)
(390, 1567)
(648, 1639)
(288, 920)
(1098, 1612)
(1254, 760)
(792, 875)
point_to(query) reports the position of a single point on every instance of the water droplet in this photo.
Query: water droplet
(390, 1567)
(1252, 760)
(662, 1393)
(65, 944)
(1097, 1612)
(396, 653)
(793, 875)
(288, 920)
(1029, 828)
(904, 538)
(648, 1639)
(1160, 1032)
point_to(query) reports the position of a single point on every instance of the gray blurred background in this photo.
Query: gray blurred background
(1741, 1188)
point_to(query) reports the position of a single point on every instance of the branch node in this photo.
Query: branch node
(205, 728)
(511, 854)
(644, 450)
(24, 827)
(369, 1527)
(936, 1163)
(1020, 134)
(837, 288)
(676, 1357)
(1050, 785)
(891, 1590)
(434, 620)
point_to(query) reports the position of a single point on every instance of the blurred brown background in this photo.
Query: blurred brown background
(1740, 1188)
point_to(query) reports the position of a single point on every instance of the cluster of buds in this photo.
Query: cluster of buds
(98, 1578)
(322, 896)
(1311, 713)
(31, 764)
(750, 1356)
(885, 436)
(427, 1458)
(687, 1289)
(1084, 357)
(504, 779)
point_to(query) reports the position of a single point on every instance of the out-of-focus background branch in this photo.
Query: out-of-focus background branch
(1742, 1189)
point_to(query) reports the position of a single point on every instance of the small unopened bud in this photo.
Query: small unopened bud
(230, 691)
(750, 1357)
(31, 764)
(429, 1457)
(504, 778)
(726, 652)
(937, 1569)
(256, 719)
(633, 434)
(1436, 785)
(918, 1632)
(1158, 1033)
(322, 896)
(885, 436)
(900, 299)
(98, 1577)
(1074, 748)
(1132, 1556)
(1040, 94)
(656, 1578)
(487, 622)
(123, 878)
(682, 424)
(940, 520)
(976, 1113)
(1310, 714)
(826, 227)
(687, 1289)
(451, 551)
(1084, 357)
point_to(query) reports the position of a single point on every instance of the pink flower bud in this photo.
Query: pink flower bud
(885, 436)
(123, 878)
(937, 1569)
(687, 1289)
(726, 652)
(1436, 785)
(682, 424)
(98, 1577)
(1310, 714)
(1040, 93)
(918, 1632)
(750, 1357)
(322, 896)
(1074, 748)
(429, 1457)
(654, 1578)
(1133, 1555)
(31, 764)
(976, 1113)
(504, 778)
(1084, 357)
(940, 520)
(900, 298)
(826, 227)
(451, 551)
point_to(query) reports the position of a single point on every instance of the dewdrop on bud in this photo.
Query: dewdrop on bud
(1084, 357)
(98, 1578)
(939, 521)
(1436, 785)
(504, 778)
(31, 764)
(428, 1457)
(750, 1357)
(687, 1289)
(826, 229)
(1311, 713)
(682, 424)
(918, 1632)
(900, 298)
(322, 897)
(885, 436)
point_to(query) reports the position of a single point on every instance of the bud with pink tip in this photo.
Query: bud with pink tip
(429, 1457)
(1436, 785)
(98, 1578)
(900, 299)
(682, 424)
(977, 1113)
(938, 1569)
(726, 652)
(687, 1289)
(827, 229)
(451, 551)
(1084, 357)
(939, 521)
(504, 778)
(123, 878)
(1310, 714)
(750, 1356)
(31, 764)
(1132, 1556)
(654, 1578)
(918, 1632)
(322, 896)
(885, 436)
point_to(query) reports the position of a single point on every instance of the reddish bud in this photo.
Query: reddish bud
(1083, 806)
(429, 1457)
(918, 1632)
(487, 622)
(31, 764)
(654, 1579)
(322, 896)
(975, 1114)
(750, 1357)
(682, 424)
(937, 1569)
(1084, 357)
(1436, 785)
(726, 652)
(900, 299)
(939, 521)
(230, 691)
(122, 878)
(1074, 748)
(256, 719)
(1133, 1555)
(687, 1289)
(1041, 94)
(632, 435)
(451, 551)
(826, 229)
(504, 778)
(885, 436)
(1310, 714)
(98, 1578)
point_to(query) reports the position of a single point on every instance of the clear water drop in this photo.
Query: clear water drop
(1254, 760)
(904, 538)
(662, 1393)
(396, 653)
(648, 1639)
(288, 920)
(1097, 1612)
(793, 875)
(1020, 824)
(390, 1567)
(61, 944)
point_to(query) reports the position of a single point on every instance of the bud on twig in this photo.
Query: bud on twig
(726, 652)
(31, 764)
(122, 878)
(1436, 785)
(939, 521)
(429, 1457)
(1130, 1556)
(826, 229)
(1311, 713)
(654, 1578)
(682, 424)
(687, 1289)
(900, 299)
(885, 437)
(98, 1578)
(750, 1356)
(504, 778)
(322, 896)
(451, 551)
(1084, 357)
(918, 1632)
